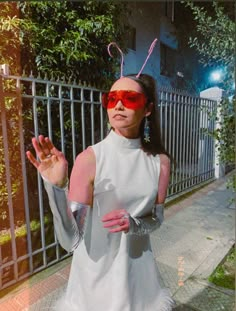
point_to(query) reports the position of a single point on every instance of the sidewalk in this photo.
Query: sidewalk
(197, 234)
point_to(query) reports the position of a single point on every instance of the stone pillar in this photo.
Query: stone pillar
(215, 93)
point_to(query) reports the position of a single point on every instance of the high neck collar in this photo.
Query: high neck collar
(123, 142)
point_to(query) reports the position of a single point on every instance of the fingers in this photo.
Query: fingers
(44, 147)
(116, 214)
(46, 144)
(32, 159)
(49, 148)
(116, 221)
(39, 149)
(120, 229)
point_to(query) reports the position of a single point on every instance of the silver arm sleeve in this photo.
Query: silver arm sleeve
(147, 224)
(68, 217)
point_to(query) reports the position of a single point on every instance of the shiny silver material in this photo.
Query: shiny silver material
(147, 224)
(65, 224)
(79, 211)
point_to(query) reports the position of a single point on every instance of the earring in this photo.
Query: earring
(146, 130)
(108, 127)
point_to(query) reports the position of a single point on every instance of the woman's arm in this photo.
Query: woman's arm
(163, 179)
(68, 213)
(82, 178)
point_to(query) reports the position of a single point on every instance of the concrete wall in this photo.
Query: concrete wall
(149, 21)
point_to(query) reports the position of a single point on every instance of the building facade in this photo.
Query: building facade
(150, 20)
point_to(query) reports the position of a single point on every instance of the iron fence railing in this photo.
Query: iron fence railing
(72, 116)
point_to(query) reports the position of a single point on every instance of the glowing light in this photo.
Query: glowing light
(216, 75)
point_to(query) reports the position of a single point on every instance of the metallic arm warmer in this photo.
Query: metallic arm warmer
(68, 217)
(147, 224)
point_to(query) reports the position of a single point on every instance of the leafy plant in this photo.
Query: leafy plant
(224, 274)
(21, 231)
(215, 38)
(63, 38)
(215, 43)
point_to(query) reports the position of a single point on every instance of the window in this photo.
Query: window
(131, 38)
(168, 56)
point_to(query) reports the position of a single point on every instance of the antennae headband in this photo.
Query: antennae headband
(122, 56)
(149, 54)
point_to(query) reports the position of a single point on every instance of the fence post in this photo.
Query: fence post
(215, 93)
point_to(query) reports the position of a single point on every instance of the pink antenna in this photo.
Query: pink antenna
(121, 55)
(149, 54)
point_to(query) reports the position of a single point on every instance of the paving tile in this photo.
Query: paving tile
(10, 306)
(204, 298)
(38, 291)
(48, 302)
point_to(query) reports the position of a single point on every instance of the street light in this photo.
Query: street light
(216, 75)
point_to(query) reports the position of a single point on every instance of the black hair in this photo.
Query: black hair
(155, 145)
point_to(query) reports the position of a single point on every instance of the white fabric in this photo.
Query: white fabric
(117, 271)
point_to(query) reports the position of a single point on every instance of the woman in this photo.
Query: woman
(116, 195)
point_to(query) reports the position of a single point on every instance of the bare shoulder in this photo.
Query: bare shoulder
(85, 163)
(82, 177)
(165, 160)
(86, 157)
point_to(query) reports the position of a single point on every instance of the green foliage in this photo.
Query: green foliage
(64, 38)
(215, 42)
(225, 134)
(224, 275)
(21, 231)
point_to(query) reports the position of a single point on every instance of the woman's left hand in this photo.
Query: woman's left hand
(116, 221)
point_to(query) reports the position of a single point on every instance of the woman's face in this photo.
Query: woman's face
(126, 121)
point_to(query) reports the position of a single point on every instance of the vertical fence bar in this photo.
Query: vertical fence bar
(101, 117)
(49, 110)
(160, 107)
(8, 175)
(181, 144)
(200, 135)
(205, 140)
(166, 119)
(72, 114)
(171, 132)
(191, 142)
(188, 146)
(185, 142)
(92, 116)
(214, 109)
(83, 119)
(169, 119)
(25, 187)
(177, 142)
(40, 190)
(61, 102)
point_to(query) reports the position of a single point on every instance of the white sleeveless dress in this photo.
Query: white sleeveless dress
(117, 271)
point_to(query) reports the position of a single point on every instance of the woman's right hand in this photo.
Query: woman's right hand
(52, 164)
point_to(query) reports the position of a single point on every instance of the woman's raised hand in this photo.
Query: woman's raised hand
(52, 164)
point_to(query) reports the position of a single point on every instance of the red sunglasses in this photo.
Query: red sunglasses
(130, 99)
